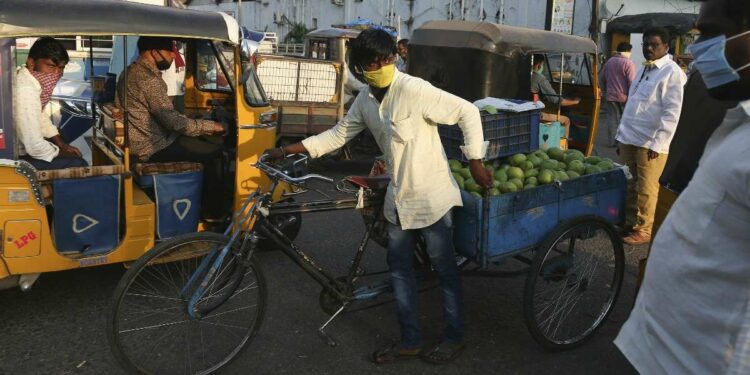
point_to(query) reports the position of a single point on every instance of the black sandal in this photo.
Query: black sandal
(443, 353)
(394, 353)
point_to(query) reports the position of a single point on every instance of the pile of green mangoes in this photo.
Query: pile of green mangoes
(527, 171)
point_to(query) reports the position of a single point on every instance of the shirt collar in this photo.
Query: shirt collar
(662, 61)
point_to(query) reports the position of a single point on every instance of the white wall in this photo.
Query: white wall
(257, 16)
(649, 6)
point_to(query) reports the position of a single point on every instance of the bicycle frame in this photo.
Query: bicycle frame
(261, 209)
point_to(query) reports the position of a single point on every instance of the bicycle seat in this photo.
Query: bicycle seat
(370, 182)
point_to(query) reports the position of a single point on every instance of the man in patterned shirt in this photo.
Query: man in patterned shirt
(158, 132)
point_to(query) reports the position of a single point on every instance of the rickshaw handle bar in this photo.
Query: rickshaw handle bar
(278, 174)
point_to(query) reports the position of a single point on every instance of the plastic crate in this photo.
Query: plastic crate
(520, 221)
(508, 133)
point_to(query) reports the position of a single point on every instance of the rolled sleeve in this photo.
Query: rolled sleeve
(448, 109)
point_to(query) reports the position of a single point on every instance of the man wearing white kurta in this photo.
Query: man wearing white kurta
(692, 315)
(403, 113)
(646, 130)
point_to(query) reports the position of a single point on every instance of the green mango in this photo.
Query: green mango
(516, 181)
(531, 173)
(515, 172)
(474, 193)
(573, 174)
(546, 176)
(556, 153)
(455, 165)
(508, 187)
(531, 181)
(517, 159)
(501, 176)
(459, 180)
(465, 172)
(494, 191)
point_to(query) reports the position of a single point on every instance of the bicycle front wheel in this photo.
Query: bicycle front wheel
(149, 328)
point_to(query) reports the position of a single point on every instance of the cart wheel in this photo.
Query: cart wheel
(573, 283)
(149, 329)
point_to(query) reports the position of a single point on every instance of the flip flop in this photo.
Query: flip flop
(443, 353)
(394, 353)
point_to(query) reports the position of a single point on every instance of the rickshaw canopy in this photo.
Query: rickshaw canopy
(498, 39)
(22, 18)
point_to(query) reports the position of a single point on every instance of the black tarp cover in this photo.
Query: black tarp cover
(676, 23)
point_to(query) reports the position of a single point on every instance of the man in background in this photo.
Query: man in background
(648, 124)
(402, 49)
(617, 74)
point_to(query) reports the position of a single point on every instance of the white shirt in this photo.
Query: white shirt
(692, 315)
(650, 117)
(404, 125)
(30, 124)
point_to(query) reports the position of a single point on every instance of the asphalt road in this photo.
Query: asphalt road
(59, 326)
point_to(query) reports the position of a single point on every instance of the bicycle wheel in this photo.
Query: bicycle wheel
(573, 283)
(149, 329)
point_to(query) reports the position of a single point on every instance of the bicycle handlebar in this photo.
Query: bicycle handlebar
(273, 172)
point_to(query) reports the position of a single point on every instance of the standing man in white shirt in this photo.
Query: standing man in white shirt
(646, 129)
(403, 113)
(692, 315)
(39, 141)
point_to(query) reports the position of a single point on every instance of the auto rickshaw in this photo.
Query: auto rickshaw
(115, 210)
(475, 60)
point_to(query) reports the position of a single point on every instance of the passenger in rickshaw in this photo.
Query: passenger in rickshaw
(39, 141)
(541, 85)
(159, 133)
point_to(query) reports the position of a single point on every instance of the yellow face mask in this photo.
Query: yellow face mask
(382, 77)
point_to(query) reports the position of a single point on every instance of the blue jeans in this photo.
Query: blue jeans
(439, 241)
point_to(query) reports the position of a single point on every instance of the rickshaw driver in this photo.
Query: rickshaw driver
(402, 112)
(541, 85)
(40, 142)
(160, 133)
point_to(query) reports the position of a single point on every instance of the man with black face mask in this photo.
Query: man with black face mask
(158, 132)
(692, 314)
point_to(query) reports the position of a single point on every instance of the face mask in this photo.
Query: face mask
(380, 78)
(540, 70)
(162, 64)
(47, 81)
(711, 62)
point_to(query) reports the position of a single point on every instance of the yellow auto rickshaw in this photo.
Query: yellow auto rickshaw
(115, 210)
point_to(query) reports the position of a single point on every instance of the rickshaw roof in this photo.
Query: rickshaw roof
(333, 32)
(22, 18)
(498, 39)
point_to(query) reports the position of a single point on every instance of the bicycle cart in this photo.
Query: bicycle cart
(192, 303)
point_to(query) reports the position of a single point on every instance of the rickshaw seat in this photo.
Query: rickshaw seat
(379, 182)
(46, 177)
(86, 214)
(176, 190)
(112, 124)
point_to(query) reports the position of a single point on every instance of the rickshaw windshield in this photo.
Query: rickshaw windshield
(576, 68)
(254, 94)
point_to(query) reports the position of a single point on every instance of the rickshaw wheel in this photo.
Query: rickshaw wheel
(573, 282)
(148, 326)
